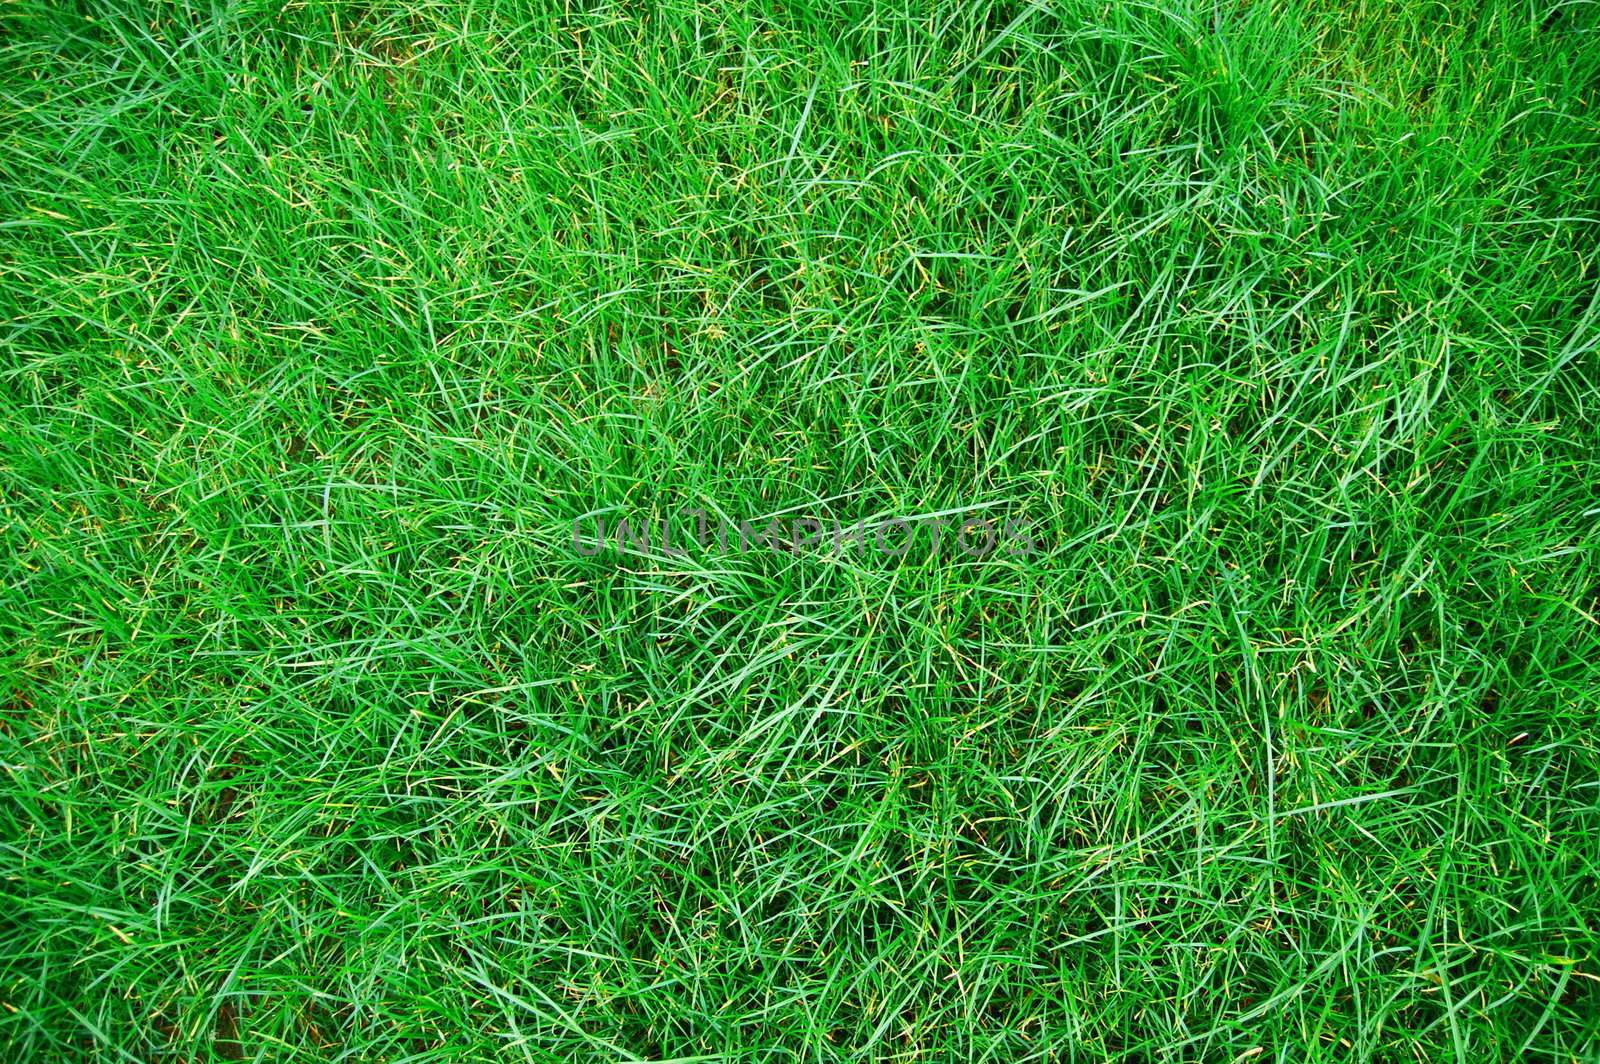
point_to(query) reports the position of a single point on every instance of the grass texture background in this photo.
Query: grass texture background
(320, 322)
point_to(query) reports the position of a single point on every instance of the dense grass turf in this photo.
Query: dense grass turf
(322, 321)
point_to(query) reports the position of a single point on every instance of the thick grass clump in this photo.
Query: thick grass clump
(321, 322)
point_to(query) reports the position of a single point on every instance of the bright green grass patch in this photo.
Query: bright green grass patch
(321, 322)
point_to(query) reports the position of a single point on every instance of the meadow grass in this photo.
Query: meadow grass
(321, 322)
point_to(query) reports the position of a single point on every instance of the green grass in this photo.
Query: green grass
(321, 321)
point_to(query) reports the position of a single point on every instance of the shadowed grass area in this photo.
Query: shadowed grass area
(321, 322)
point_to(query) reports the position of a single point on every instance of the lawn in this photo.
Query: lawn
(331, 331)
